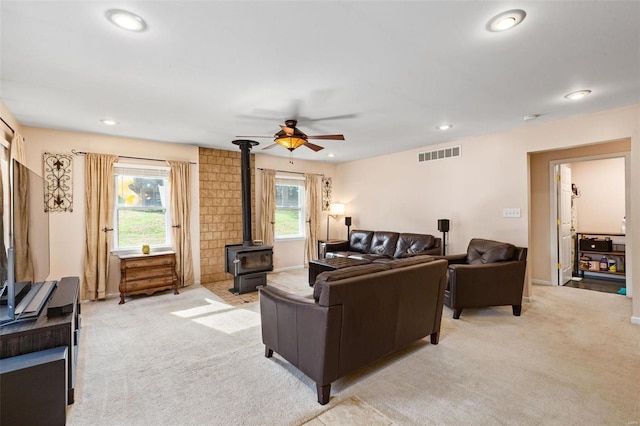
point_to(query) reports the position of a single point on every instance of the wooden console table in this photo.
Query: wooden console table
(147, 273)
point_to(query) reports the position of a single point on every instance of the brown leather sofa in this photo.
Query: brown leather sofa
(491, 273)
(372, 245)
(348, 327)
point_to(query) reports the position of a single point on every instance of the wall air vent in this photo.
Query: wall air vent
(439, 154)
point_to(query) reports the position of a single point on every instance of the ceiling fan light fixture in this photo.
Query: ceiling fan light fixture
(578, 94)
(506, 20)
(126, 20)
(290, 142)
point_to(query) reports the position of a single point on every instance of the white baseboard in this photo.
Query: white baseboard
(541, 282)
(635, 320)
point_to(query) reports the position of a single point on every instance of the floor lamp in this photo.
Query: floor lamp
(443, 226)
(335, 210)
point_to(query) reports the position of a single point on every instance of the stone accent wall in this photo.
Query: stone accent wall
(221, 209)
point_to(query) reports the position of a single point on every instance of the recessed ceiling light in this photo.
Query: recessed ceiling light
(530, 117)
(126, 20)
(444, 126)
(506, 20)
(331, 155)
(578, 94)
(109, 122)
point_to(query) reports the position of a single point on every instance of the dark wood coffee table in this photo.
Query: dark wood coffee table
(331, 264)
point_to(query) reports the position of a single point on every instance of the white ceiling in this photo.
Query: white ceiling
(207, 71)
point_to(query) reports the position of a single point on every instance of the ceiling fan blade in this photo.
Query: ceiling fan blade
(287, 130)
(270, 146)
(313, 146)
(334, 117)
(254, 136)
(328, 137)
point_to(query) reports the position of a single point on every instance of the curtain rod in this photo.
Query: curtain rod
(295, 173)
(7, 124)
(73, 151)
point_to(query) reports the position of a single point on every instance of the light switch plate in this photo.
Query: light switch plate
(511, 212)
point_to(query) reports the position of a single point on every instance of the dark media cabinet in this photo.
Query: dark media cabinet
(39, 357)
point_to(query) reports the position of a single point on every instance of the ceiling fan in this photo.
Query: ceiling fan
(292, 138)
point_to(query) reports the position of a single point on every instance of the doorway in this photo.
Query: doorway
(590, 202)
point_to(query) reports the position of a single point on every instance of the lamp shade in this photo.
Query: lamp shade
(336, 209)
(290, 142)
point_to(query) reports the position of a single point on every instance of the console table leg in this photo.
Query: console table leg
(121, 299)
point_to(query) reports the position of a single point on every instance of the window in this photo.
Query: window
(290, 214)
(141, 214)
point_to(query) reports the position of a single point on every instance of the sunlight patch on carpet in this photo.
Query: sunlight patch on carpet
(212, 306)
(351, 411)
(230, 321)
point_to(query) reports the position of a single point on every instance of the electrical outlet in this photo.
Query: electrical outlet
(511, 212)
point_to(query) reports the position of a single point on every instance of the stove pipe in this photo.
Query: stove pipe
(245, 165)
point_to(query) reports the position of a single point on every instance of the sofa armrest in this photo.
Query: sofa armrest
(487, 284)
(336, 245)
(455, 259)
(302, 332)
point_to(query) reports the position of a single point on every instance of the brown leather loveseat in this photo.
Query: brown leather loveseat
(372, 245)
(361, 314)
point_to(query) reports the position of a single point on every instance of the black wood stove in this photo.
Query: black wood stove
(247, 262)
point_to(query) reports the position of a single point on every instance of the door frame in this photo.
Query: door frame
(553, 213)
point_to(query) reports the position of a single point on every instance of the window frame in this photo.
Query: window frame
(143, 171)
(301, 235)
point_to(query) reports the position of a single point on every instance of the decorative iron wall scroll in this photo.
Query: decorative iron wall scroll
(326, 193)
(58, 183)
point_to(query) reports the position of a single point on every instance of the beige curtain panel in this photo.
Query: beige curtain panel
(268, 209)
(23, 261)
(180, 195)
(313, 207)
(99, 192)
(3, 249)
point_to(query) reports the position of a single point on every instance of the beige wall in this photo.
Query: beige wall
(290, 254)
(67, 232)
(394, 192)
(601, 204)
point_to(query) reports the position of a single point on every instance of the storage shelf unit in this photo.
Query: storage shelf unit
(588, 255)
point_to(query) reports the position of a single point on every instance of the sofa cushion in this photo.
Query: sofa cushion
(405, 261)
(409, 244)
(360, 241)
(383, 243)
(487, 251)
(341, 274)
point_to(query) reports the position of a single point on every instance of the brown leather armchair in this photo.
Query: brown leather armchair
(491, 273)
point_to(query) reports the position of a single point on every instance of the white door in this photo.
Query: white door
(565, 233)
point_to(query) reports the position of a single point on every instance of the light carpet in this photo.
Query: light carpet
(572, 358)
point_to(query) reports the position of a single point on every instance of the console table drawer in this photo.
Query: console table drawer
(137, 263)
(149, 283)
(147, 273)
(151, 272)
